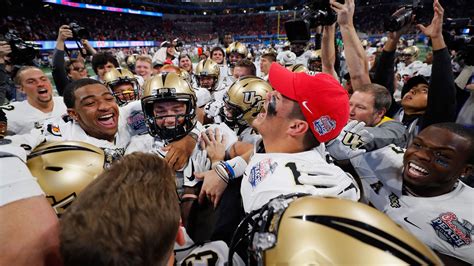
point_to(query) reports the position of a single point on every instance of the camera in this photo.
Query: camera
(78, 32)
(315, 13)
(23, 52)
(404, 16)
(458, 34)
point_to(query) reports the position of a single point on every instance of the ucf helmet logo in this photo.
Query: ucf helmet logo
(252, 98)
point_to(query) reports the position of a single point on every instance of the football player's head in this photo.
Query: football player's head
(410, 54)
(244, 100)
(64, 169)
(169, 105)
(312, 230)
(130, 61)
(123, 85)
(207, 73)
(314, 61)
(236, 52)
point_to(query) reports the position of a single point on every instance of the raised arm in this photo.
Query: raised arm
(356, 58)
(442, 91)
(328, 51)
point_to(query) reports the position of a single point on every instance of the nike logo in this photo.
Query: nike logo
(406, 220)
(305, 104)
(191, 177)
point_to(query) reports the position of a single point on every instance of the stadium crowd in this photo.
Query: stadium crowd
(214, 151)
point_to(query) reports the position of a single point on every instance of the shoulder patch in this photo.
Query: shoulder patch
(54, 130)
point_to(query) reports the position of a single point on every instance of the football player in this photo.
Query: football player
(419, 188)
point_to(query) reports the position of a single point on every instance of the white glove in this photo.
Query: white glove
(213, 108)
(347, 144)
(328, 180)
(203, 96)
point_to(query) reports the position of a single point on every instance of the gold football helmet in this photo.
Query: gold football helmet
(314, 61)
(236, 47)
(312, 230)
(297, 68)
(208, 68)
(131, 60)
(169, 87)
(270, 51)
(64, 169)
(411, 51)
(244, 100)
(117, 77)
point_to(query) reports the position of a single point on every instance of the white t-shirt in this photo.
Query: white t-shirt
(23, 117)
(269, 175)
(444, 222)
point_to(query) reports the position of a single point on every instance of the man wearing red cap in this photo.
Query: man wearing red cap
(302, 113)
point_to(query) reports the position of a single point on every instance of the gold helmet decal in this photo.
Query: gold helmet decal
(208, 68)
(297, 68)
(244, 100)
(123, 85)
(169, 87)
(64, 169)
(312, 230)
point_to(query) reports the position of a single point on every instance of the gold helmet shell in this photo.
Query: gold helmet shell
(298, 68)
(244, 100)
(270, 51)
(329, 231)
(64, 169)
(165, 87)
(237, 47)
(117, 77)
(208, 68)
(411, 51)
(131, 60)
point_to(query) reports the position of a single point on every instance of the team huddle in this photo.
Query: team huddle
(158, 161)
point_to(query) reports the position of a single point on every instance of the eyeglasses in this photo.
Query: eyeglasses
(79, 69)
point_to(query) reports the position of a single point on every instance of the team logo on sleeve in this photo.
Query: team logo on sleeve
(261, 170)
(449, 228)
(136, 122)
(54, 130)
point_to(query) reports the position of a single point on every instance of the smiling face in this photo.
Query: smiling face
(96, 111)
(169, 114)
(101, 70)
(217, 56)
(186, 64)
(37, 87)
(143, 69)
(434, 161)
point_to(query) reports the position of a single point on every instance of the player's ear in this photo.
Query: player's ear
(297, 127)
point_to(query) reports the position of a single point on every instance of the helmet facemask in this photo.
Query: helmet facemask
(183, 123)
(124, 97)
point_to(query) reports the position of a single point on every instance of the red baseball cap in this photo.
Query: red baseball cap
(322, 99)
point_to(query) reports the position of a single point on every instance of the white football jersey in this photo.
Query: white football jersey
(444, 222)
(269, 175)
(303, 59)
(198, 161)
(210, 253)
(23, 117)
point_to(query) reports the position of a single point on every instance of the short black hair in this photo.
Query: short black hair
(69, 96)
(102, 58)
(462, 131)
